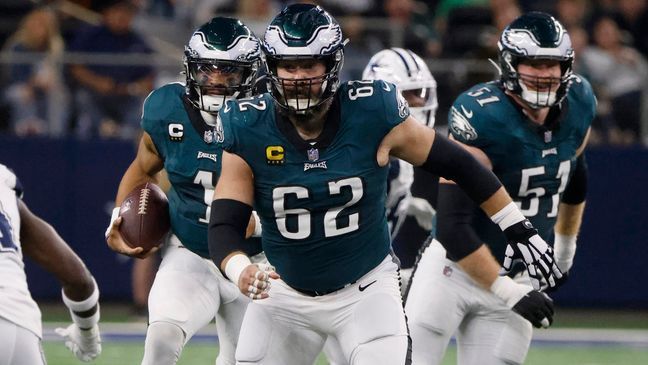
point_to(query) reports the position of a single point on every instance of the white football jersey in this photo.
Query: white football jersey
(16, 303)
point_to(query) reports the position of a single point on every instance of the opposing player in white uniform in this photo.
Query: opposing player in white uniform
(221, 62)
(23, 233)
(530, 127)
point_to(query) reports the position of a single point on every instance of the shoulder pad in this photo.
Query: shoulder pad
(474, 111)
(161, 101)
(9, 179)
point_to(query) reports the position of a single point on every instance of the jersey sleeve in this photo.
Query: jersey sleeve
(226, 131)
(395, 105)
(8, 178)
(586, 97)
(469, 122)
(154, 119)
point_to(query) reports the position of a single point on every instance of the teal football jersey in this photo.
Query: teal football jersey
(192, 160)
(321, 204)
(533, 162)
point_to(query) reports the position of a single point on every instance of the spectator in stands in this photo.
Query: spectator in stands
(634, 19)
(572, 13)
(621, 72)
(109, 96)
(418, 32)
(35, 91)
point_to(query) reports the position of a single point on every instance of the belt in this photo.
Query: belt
(319, 293)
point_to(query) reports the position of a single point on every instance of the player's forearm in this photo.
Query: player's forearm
(481, 266)
(144, 168)
(569, 219)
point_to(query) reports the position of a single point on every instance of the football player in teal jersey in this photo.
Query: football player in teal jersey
(220, 62)
(530, 127)
(311, 156)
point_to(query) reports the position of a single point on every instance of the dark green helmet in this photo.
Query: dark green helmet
(221, 63)
(303, 32)
(537, 36)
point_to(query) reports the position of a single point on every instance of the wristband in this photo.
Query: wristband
(508, 216)
(113, 217)
(508, 290)
(85, 305)
(564, 250)
(235, 266)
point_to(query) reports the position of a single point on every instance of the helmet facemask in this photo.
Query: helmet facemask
(213, 82)
(534, 37)
(300, 95)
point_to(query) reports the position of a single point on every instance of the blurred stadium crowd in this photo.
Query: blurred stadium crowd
(83, 67)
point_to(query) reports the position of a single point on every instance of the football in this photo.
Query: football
(145, 217)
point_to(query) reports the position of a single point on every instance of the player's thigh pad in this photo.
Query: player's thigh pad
(376, 313)
(164, 343)
(269, 340)
(434, 299)
(185, 291)
(19, 346)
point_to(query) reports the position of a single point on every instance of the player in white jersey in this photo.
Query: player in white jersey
(23, 233)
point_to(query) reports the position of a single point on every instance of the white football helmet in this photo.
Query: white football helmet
(410, 74)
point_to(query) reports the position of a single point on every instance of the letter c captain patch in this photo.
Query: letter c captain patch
(275, 155)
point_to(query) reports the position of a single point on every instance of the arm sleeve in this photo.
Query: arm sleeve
(454, 222)
(576, 189)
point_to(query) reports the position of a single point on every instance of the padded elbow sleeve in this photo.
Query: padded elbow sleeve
(451, 161)
(227, 224)
(576, 189)
(454, 222)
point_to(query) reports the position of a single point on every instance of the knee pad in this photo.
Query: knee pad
(514, 341)
(164, 343)
(386, 350)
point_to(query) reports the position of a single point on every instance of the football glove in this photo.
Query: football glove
(84, 344)
(524, 243)
(422, 211)
(534, 306)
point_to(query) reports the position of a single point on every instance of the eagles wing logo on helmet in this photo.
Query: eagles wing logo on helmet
(221, 62)
(460, 125)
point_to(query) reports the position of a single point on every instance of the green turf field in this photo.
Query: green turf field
(575, 340)
(122, 353)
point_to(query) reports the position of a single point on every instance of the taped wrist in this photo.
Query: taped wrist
(226, 233)
(455, 212)
(85, 314)
(564, 250)
(235, 266)
(448, 159)
(508, 290)
(113, 216)
(576, 189)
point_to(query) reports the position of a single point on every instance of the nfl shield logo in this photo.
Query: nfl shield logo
(447, 271)
(208, 136)
(547, 136)
(313, 154)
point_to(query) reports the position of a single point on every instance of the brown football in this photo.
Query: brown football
(145, 217)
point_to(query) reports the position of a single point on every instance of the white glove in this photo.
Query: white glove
(422, 212)
(85, 344)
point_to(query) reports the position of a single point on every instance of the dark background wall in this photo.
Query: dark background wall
(72, 184)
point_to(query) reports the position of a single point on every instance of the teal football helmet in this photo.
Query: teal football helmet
(535, 36)
(303, 32)
(221, 62)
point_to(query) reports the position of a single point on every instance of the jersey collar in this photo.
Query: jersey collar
(202, 128)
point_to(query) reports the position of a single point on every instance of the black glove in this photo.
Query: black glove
(537, 308)
(525, 244)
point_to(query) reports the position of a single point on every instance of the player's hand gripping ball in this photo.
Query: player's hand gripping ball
(145, 217)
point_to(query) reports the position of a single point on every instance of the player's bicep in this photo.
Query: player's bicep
(409, 141)
(236, 180)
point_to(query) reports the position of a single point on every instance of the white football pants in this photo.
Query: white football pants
(19, 346)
